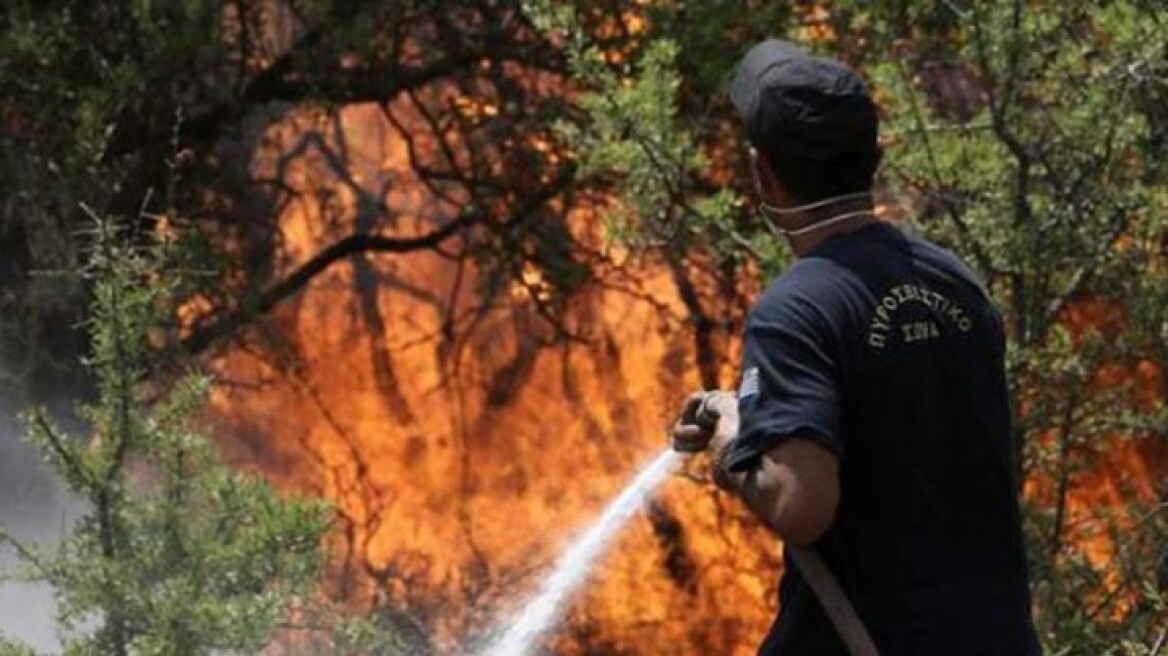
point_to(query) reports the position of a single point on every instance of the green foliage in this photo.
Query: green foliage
(177, 553)
(650, 105)
(629, 138)
(92, 94)
(1050, 181)
(10, 648)
(387, 632)
(1028, 138)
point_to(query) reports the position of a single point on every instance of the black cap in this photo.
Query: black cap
(801, 108)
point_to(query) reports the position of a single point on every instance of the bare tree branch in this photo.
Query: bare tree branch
(55, 442)
(1160, 642)
(976, 247)
(202, 337)
(25, 552)
(359, 243)
(284, 81)
(999, 106)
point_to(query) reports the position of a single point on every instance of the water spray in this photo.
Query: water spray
(538, 614)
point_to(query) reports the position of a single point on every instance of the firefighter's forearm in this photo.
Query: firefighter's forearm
(775, 492)
(756, 490)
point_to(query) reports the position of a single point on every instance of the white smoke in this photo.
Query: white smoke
(36, 509)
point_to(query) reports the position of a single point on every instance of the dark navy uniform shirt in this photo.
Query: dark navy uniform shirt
(886, 350)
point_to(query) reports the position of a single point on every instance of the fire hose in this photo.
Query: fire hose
(835, 602)
(825, 586)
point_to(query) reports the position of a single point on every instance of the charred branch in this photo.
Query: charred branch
(703, 325)
(670, 534)
(200, 338)
(286, 79)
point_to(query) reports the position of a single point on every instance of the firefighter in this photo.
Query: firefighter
(871, 426)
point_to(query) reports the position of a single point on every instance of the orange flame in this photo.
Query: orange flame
(462, 468)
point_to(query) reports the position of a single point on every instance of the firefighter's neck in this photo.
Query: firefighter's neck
(805, 229)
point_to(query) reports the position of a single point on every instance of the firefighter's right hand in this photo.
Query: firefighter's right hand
(703, 416)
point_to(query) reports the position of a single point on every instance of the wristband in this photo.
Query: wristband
(721, 474)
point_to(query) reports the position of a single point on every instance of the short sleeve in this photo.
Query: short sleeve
(790, 382)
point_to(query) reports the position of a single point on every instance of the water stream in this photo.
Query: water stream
(538, 614)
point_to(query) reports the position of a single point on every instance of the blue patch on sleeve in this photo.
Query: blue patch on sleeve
(749, 386)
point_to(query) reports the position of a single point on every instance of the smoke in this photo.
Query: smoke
(36, 509)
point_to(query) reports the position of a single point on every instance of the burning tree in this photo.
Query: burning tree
(308, 151)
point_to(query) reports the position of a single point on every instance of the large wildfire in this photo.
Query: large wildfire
(463, 445)
(462, 463)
